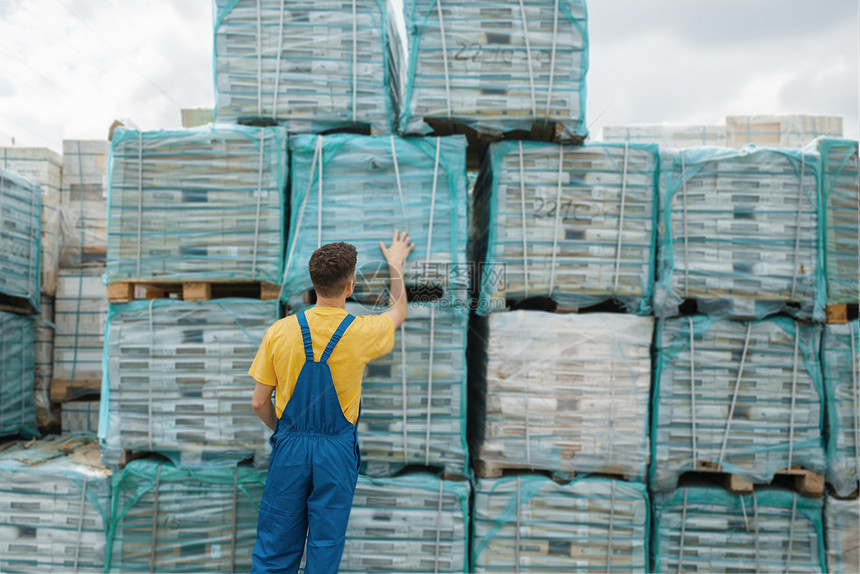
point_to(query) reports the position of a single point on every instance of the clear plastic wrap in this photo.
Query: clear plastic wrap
(530, 523)
(743, 397)
(576, 224)
(20, 243)
(311, 65)
(786, 130)
(199, 204)
(17, 375)
(54, 507)
(564, 393)
(359, 189)
(164, 519)
(494, 66)
(842, 525)
(176, 381)
(840, 358)
(83, 203)
(708, 529)
(43, 356)
(739, 233)
(666, 135)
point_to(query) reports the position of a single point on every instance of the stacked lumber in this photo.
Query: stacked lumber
(166, 519)
(359, 189)
(785, 131)
(54, 507)
(842, 525)
(413, 400)
(20, 243)
(840, 359)
(196, 117)
(83, 203)
(563, 393)
(177, 380)
(17, 375)
(43, 362)
(707, 529)
(81, 308)
(530, 522)
(576, 224)
(44, 167)
(738, 397)
(308, 64)
(494, 66)
(199, 204)
(738, 233)
(666, 135)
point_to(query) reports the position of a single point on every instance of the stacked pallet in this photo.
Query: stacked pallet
(532, 523)
(177, 380)
(842, 527)
(738, 233)
(83, 203)
(562, 393)
(20, 243)
(494, 66)
(54, 506)
(738, 397)
(201, 204)
(666, 136)
(43, 363)
(840, 359)
(785, 131)
(707, 529)
(359, 189)
(165, 519)
(44, 167)
(576, 224)
(309, 64)
(17, 374)
(413, 400)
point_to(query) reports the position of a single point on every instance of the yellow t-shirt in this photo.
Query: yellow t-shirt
(282, 354)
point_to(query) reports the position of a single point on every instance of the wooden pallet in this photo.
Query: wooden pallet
(841, 313)
(804, 482)
(485, 469)
(16, 305)
(63, 390)
(125, 291)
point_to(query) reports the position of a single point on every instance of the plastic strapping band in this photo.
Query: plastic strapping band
(399, 186)
(429, 386)
(438, 526)
(278, 62)
(259, 203)
(529, 61)
(621, 219)
(319, 194)
(791, 533)
(523, 213)
(149, 386)
(611, 421)
(403, 392)
(734, 397)
(686, 241)
(855, 367)
(793, 395)
(611, 527)
(552, 62)
(354, 60)
(154, 520)
(444, 57)
(139, 199)
(695, 452)
(797, 227)
(80, 523)
(755, 518)
(235, 518)
(744, 511)
(526, 398)
(432, 209)
(259, 61)
(555, 224)
(517, 533)
(683, 533)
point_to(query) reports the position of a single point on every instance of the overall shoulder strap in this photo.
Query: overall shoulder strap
(347, 321)
(306, 336)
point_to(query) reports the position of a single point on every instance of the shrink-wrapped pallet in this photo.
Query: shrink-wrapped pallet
(20, 244)
(83, 203)
(165, 519)
(176, 380)
(842, 525)
(840, 188)
(708, 529)
(666, 135)
(80, 417)
(413, 400)
(787, 131)
(43, 365)
(309, 64)
(81, 308)
(529, 523)
(17, 375)
(564, 393)
(576, 224)
(44, 167)
(738, 233)
(359, 189)
(840, 359)
(742, 397)
(494, 66)
(54, 507)
(199, 204)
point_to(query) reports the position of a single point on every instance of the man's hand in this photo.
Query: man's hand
(396, 254)
(399, 250)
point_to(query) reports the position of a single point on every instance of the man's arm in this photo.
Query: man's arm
(396, 254)
(262, 403)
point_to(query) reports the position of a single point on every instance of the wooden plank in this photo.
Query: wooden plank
(196, 291)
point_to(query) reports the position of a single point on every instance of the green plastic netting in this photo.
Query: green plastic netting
(840, 358)
(842, 528)
(739, 233)
(708, 529)
(17, 372)
(20, 242)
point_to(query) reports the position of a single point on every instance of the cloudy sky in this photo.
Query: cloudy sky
(68, 68)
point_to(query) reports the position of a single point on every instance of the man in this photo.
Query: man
(315, 361)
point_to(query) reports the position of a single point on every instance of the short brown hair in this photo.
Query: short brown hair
(331, 267)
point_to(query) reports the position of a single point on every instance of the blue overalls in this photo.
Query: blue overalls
(312, 472)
